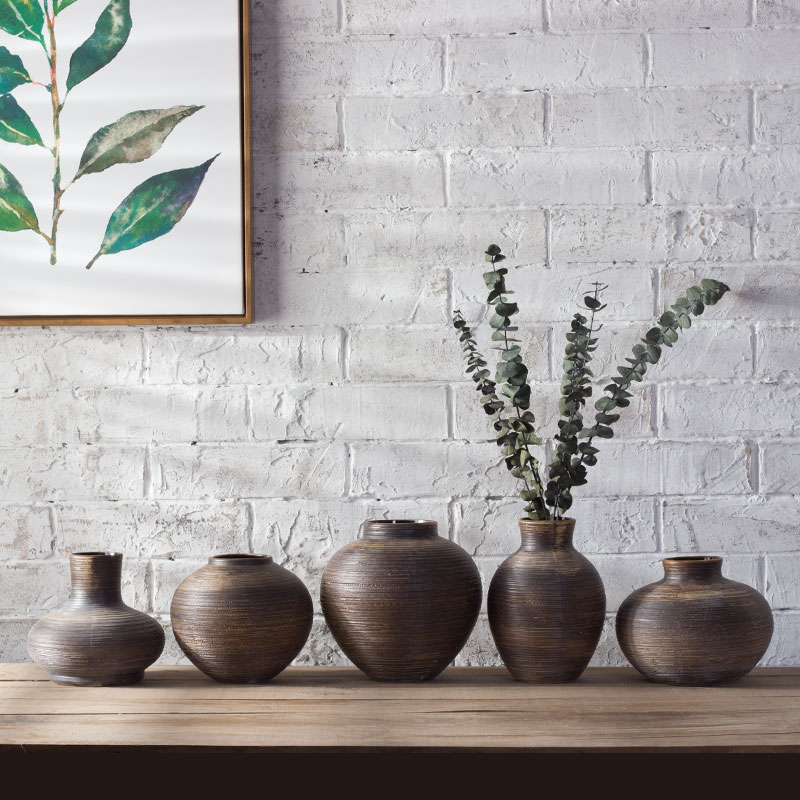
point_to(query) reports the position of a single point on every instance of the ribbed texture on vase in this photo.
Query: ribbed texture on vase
(95, 639)
(401, 601)
(694, 627)
(546, 605)
(241, 618)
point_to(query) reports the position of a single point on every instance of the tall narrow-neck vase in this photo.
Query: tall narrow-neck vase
(94, 639)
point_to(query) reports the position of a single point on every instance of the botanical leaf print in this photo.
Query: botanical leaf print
(15, 125)
(132, 138)
(60, 5)
(12, 71)
(152, 209)
(110, 34)
(16, 211)
(23, 18)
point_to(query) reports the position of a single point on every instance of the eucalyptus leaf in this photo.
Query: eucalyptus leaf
(110, 34)
(15, 124)
(12, 71)
(152, 209)
(23, 18)
(16, 211)
(132, 138)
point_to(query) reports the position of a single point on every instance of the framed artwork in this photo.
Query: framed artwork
(124, 162)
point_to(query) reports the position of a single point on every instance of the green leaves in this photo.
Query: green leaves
(16, 211)
(23, 18)
(15, 125)
(60, 5)
(152, 209)
(567, 468)
(110, 34)
(12, 71)
(132, 138)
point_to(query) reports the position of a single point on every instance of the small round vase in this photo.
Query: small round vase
(401, 601)
(546, 605)
(241, 618)
(95, 639)
(694, 627)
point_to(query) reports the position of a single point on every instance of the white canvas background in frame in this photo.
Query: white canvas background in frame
(178, 53)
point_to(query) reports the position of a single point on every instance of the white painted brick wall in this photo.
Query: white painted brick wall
(645, 143)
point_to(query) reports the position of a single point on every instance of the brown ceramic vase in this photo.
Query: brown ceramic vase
(241, 618)
(401, 601)
(546, 605)
(694, 627)
(95, 639)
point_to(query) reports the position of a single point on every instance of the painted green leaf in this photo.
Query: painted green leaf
(12, 71)
(110, 34)
(15, 125)
(16, 211)
(60, 5)
(23, 18)
(152, 209)
(132, 138)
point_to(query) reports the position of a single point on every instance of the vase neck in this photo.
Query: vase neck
(692, 569)
(96, 576)
(395, 529)
(239, 560)
(546, 534)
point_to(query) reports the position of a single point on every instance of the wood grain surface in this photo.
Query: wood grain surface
(694, 627)
(466, 709)
(401, 601)
(546, 605)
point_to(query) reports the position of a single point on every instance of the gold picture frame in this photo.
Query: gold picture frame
(246, 224)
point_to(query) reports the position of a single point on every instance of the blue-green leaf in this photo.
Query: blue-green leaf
(12, 71)
(15, 125)
(132, 138)
(60, 5)
(110, 34)
(23, 18)
(16, 211)
(152, 209)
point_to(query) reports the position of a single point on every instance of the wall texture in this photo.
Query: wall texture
(641, 143)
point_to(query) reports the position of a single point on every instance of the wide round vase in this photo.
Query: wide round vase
(401, 601)
(546, 605)
(241, 618)
(95, 639)
(694, 627)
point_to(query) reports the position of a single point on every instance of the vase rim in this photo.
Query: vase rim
(400, 522)
(546, 523)
(691, 559)
(95, 554)
(239, 558)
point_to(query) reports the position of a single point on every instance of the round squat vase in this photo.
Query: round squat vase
(241, 618)
(546, 605)
(401, 601)
(95, 639)
(694, 627)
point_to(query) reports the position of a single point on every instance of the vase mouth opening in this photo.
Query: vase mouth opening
(96, 554)
(240, 558)
(389, 528)
(678, 560)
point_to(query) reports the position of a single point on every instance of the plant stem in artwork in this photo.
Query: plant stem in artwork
(57, 190)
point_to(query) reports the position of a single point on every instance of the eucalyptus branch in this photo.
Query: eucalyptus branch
(57, 107)
(648, 351)
(566, 469)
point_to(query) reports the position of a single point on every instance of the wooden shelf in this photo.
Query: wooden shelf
(465, 709)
